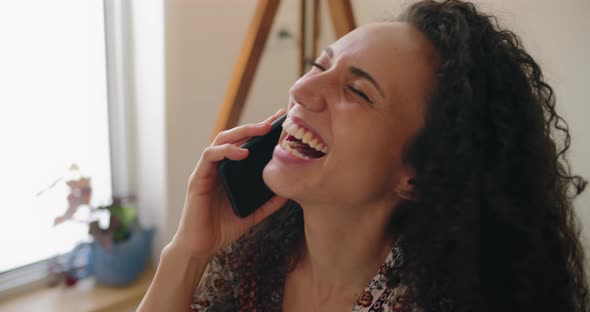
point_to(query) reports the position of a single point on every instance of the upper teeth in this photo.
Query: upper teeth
(305, 136)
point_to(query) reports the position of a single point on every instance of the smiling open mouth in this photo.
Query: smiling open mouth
(302, 143)
(298, 148)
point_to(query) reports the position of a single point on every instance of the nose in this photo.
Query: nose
(311, 91)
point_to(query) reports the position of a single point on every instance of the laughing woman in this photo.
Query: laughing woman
(438, 186)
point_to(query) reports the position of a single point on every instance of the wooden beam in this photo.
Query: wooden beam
(245, 68)
(316, 28)
(309, 22)
(342, 17)
(302, 36)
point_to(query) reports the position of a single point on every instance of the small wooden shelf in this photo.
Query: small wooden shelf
(86, 296)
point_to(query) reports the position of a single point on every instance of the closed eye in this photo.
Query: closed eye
(359, 93)
(322, 68)
(351, 88)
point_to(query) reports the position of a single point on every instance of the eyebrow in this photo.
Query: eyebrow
(358, 72)
(363, 74)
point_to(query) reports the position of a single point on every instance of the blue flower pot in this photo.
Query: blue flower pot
(119, 266)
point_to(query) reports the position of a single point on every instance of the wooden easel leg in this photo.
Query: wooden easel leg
(316, 28)
(302, 36)
(342, 17)
(245, 68)
(308, 49)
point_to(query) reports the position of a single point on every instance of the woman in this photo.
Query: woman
(434, 185)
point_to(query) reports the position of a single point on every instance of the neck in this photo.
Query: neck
(344, 246)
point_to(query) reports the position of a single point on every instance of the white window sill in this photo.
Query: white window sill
(85, 296)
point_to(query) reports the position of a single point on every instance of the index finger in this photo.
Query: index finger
(244, 132)
(276, 115)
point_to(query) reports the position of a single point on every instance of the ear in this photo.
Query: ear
(406, 186)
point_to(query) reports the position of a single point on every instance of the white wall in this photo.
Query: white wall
(147, 73)
(186, 50)
(556, 34)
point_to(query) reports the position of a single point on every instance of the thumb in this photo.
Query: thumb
(268, 208)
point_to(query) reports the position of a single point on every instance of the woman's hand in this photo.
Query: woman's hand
(208, 222)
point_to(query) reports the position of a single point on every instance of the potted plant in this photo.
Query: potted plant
(119, 252)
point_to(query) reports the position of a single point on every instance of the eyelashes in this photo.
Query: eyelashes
(314, 64)
(352, 89)
(359, 93)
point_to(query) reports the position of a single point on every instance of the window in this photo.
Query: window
(53, 112)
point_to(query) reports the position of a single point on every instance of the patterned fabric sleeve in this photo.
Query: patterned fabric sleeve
(216, 290)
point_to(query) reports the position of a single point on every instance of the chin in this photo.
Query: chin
(279, 181)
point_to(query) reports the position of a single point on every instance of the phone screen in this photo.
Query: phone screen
(242, 180)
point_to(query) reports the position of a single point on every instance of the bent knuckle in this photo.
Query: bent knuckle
(219, 137)
(226, 147)
(207, 153)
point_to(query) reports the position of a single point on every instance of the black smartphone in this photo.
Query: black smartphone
(242, 180)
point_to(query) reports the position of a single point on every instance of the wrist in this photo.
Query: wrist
(178, 250)
(175, 281)
(177, 259)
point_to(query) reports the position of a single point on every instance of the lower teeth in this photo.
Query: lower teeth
(293, 151)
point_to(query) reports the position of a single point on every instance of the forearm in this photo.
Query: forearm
(174, 283)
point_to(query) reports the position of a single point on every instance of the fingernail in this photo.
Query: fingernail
(279, 112)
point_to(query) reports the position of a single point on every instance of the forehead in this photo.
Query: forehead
(396, 54)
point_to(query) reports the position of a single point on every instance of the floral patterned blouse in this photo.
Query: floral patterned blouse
(222, 290)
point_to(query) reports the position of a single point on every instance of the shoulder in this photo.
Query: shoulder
(392, 288)
(217, 289)
(251, 271)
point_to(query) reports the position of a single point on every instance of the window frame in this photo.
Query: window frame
(120, 90)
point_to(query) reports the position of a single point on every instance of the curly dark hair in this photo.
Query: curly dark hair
(493, 228)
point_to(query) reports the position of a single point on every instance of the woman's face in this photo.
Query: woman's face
(351, 116)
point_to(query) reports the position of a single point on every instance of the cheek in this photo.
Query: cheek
(369, 157)
(361, 177)
(369, 139)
